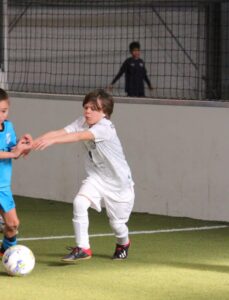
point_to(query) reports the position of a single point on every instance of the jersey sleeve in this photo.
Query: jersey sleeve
(146, 78)
(75, 126)
(121, 71)
(102, 132)
(13, 137)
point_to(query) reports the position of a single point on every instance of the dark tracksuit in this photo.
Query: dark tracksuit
(135, 75)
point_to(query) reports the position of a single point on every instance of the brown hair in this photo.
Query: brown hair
(105, 98)
(134, 45)
(3, 95)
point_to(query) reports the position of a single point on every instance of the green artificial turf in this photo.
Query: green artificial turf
(175, 265)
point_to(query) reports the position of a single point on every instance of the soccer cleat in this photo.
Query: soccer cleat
(2, 251)
(77, 254)
(121, 251)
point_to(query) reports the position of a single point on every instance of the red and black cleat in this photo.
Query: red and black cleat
(121, 251)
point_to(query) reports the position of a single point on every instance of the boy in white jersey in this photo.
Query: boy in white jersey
(108, 174)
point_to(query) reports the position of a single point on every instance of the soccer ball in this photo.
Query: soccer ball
(18, 260)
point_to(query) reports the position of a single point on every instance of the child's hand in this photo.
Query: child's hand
(26, 139)
(23, 147)
(36, 143)
(42, 143)
(19, 149)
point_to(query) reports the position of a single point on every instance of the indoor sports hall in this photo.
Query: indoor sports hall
(175, 139)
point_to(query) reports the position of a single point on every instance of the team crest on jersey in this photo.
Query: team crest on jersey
(92, 145)
(141, 65)
(8, 138)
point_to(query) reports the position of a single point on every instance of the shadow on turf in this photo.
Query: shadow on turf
(197, 266)
(96, 255)
(59, 263)
(106, 256)
(4, 274)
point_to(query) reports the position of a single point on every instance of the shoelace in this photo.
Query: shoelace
(73, 249)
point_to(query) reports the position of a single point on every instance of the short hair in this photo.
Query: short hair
(3, 95)
(134, 45)
(105, 98)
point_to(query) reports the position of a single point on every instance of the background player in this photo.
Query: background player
(9, 148)
(109, 177)
(135, 73)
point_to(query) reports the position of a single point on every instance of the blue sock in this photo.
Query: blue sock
(8, 242)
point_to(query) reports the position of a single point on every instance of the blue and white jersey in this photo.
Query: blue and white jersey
(8, 140)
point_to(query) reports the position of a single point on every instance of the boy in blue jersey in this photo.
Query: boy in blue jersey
(9, 148)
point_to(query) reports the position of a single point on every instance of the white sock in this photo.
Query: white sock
(123, 241)
(80, 221)
(121, 232)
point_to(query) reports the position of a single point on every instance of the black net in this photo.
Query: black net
(72, 47)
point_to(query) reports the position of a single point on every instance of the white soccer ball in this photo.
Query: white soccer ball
(18, 260)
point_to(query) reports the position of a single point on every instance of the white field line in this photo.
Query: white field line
(131, 233)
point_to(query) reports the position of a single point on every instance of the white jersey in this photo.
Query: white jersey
(105, 161)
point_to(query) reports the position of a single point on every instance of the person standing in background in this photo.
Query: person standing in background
(135, 73)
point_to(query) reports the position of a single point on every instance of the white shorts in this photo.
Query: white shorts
(118, 204)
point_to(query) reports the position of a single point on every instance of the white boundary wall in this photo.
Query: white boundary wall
(179, 155)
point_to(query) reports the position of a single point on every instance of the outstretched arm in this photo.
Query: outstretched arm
(52, 134)
(51, 139)
(49, 135)
(21, 147)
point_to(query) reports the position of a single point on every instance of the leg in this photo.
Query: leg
(119, 213)
(80, 225)
(2, 222)
(88, 196)
(80, 221)
(121, 232)
(12, 223)
(8, 211)
(10, 229)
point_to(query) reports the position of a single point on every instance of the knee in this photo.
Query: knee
(119, 228)
(116, 226)
(80, 205)
(11, 228)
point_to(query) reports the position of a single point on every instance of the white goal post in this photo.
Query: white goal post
(4, 45)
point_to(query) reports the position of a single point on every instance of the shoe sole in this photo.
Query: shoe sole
(73, 261)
